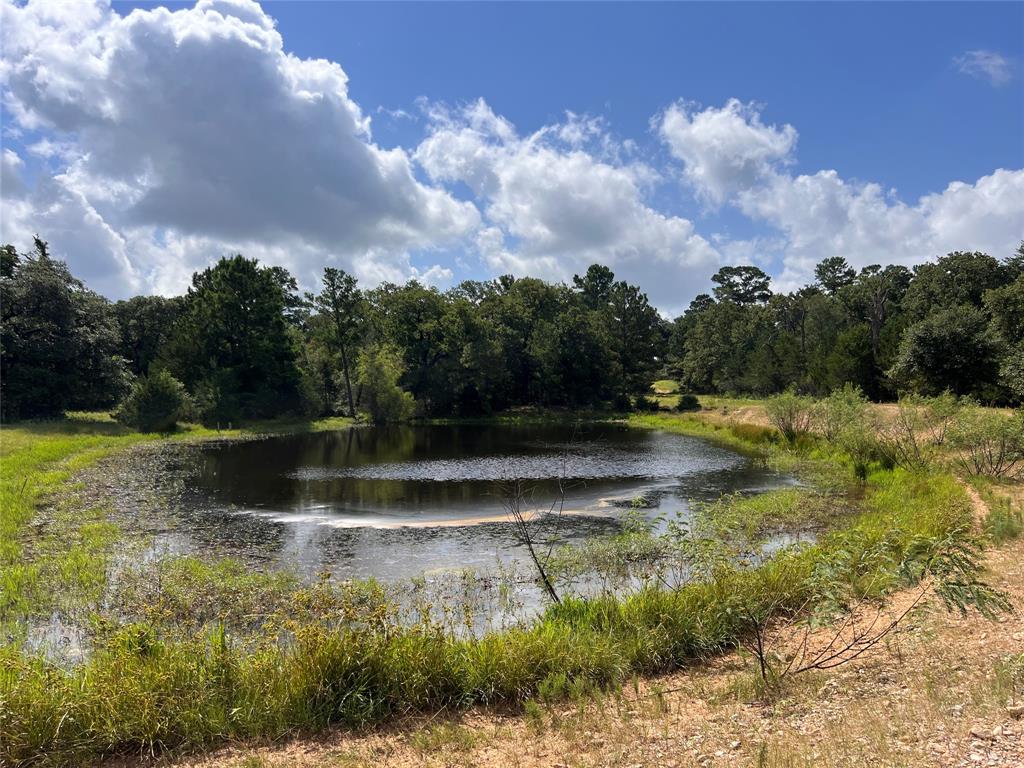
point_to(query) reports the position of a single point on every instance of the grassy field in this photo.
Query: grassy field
(337, 655)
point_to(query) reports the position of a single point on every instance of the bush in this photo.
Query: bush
(646, 404)
(379, 369)
(154, 404)
(791, 414)
(841, 410)
(902, 441)
(987, 442)
(688, 403)
(622, 404)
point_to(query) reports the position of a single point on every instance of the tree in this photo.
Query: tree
(231, 345)
(634, 329)
(145, 323)
(875, 294)
(950, 349)
(833, 274)
(595, 286)
(742, 285)
(58, 340)
(379, 368)
(957, 278)
(341, 302)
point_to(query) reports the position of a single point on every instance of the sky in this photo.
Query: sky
(453, 141)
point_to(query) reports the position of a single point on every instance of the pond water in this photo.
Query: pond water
(395, 502)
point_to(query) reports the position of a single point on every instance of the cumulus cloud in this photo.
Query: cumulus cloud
(821, 214)
(985, 65)
(559, 199)
(724, 150)
(196, 125)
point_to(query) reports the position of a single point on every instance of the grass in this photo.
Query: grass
(146, 689)
(38, 459)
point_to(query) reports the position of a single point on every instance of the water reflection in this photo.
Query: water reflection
(397, 502)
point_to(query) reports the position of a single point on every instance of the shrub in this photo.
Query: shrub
(621, 403)
(902, 441)
(647, 404)
(987, 442)
(791, 414)
(941, 411)
(379, 368)
(154, 404)
(688, 403)
(842, 409)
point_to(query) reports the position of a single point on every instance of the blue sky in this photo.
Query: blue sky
(799, 131)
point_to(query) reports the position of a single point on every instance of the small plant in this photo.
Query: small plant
(155, 403)
(1003, 523)
(791, 414)
(688, 403)
(1008, 680)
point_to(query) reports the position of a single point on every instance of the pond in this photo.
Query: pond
(402, 501)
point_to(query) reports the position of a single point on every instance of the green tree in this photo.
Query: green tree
(957, 278)
(341, 303)
(950, 349)
(146, 323)
(231, 346)
(742, 285)
(154, 404)
(833, 274)
(379, 368)
(58, 340)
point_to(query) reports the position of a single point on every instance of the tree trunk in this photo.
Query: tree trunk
(348, 383)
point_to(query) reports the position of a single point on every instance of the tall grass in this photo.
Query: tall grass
(141, 692)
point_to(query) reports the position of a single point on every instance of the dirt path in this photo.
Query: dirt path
(939, 693)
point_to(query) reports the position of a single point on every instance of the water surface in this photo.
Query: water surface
(394, 502)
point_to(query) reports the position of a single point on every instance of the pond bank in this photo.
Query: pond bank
(144, 690)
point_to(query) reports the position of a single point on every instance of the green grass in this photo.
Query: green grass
(196, 670)
(37, 460)
(345, 660)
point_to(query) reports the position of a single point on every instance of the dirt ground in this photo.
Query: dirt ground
(937, 693)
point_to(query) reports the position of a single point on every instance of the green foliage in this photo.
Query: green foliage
(949, 349)
(844, 409)
(1003, 523)
(341, 305)
(155, 404)
(232, 347)
(987, 442)
(688, 402)
(146, 324)
(58, 340)
(379, 369)
(791, 414)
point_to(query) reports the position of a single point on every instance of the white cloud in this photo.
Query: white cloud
(195, 125)
(985, 65)
(558, 200)
(724, 150)
(821, 214)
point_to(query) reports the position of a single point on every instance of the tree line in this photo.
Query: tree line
(245, 343)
